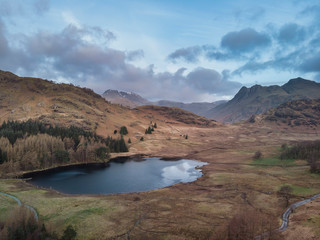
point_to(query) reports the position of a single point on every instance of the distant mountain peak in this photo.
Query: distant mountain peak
(258, 99)
(132, 100)
(128, 99)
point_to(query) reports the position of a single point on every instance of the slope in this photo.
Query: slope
(259, 99)
(24, 98)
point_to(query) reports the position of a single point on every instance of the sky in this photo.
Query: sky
(190, 51)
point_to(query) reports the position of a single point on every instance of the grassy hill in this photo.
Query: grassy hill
(24, 98)
(303, 112)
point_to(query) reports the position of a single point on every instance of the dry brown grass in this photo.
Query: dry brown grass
(184, 211)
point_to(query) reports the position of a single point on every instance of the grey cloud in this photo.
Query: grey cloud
(134, 55)
(210, 81)
(4, 47)
(291, 33)
(41, 6)
(189, 54)
(192, 54)
(245, 40)
(11, 59)
(10, 8)
(313, 10)
(77, 55)
(241, 45)
(221, 56)
(69, 49)
(180, 72)
(311, 64)
(302, 59)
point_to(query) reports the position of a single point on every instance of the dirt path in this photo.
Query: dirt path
(20, 204)
(286, 215)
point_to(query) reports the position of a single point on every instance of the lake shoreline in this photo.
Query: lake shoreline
(119, 175)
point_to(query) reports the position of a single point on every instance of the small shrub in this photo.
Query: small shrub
(257, 155)
(129, 140)
(69, 233)
(285, 192)
(148, 131)
(141, 139)
(115, 131)
(123, 130)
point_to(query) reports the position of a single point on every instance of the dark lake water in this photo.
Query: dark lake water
(137, 175)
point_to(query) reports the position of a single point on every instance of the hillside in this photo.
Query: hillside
(259, 99)
(304, 112)
(24, 98)
(175, 115)
(133, 100)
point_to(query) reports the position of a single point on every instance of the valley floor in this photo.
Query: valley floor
(200, 210)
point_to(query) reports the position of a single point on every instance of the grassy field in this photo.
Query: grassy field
(271, 162)
(195, 210)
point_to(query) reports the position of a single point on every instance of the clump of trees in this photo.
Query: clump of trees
(33, 145)
(151, 128)
(116, 145)
(22, 225)
(308, 150)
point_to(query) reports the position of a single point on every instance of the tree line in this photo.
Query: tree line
(308, 150)
(33, 145)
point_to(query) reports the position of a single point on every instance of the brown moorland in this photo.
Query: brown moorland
(231, 182)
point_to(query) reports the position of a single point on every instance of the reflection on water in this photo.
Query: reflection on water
(137, 175)
(184, 171)
(64, 175)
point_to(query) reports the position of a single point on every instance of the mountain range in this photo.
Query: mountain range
(247, 102)
(258, 99)
(133, 100)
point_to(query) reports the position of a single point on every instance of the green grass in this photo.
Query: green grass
(269, 162)
(83, 214)
(301, 190)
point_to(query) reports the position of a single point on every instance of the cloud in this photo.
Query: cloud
(291, 33)
(210, 81)
(241, 45)
(311, 64)
(77, 55)
(245, 40)
(10, 8)
(41, 6)
(189, 54)
(192, 54)
(134, 55)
